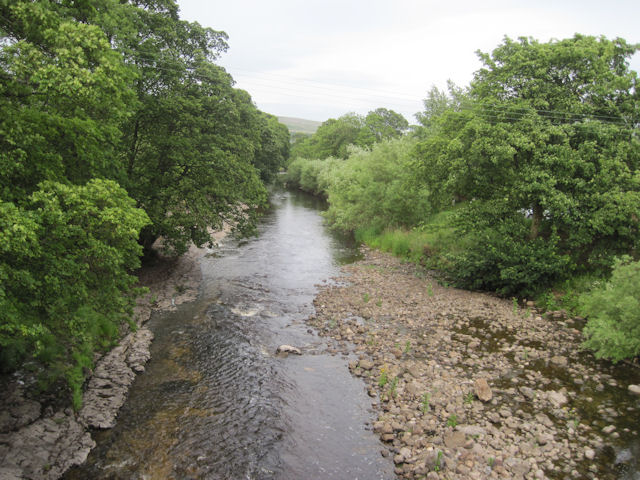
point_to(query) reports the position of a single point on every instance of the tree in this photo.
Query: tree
(273, 148)
(385, 124)
(547, 144)
(63, 96)
(66, 290)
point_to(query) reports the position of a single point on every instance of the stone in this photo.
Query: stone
(609, 429)
(635, 389)
(589, 453)
(557, 399)
(559, 361)
(528, 393)
(365, 364)
(482, 389)
(288, 349)
(454, 439)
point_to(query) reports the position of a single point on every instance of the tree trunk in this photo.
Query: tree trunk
(536, 221)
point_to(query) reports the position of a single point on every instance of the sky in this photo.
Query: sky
(320, 59)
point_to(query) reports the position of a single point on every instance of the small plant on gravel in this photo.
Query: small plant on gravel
(452, 421)
(515, 305)
(407, 346)
(393, 387)
(365, 298)
(425, 406)
(430, 289)
(438, 464)
(382, 381)
(491, 461)
(154, 299)
(468, 398)
(574, 419)
(379, 303)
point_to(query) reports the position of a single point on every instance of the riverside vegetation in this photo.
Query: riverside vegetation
(525, 183)
(116, 128)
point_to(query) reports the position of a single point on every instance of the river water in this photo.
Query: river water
(215, 402)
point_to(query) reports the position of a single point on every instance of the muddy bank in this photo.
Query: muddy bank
(466, 385)
(39, 437)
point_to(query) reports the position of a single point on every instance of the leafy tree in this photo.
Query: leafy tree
(64, 260)
(273, 148)
(63, 96)
(334, 136)
(548, 142)
(385, 124)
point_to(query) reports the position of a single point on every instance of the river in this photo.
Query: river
(216, 402)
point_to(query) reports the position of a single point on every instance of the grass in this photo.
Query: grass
(452, 421)
(423, 244)
(425, 405)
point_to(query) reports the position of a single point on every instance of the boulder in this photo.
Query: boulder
(635, 389)
(482, 389)
(288, 349)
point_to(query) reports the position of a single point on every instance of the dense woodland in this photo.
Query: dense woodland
(525, 182)
(116, 128)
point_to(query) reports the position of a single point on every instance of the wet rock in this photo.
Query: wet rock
(288, 349)
(635, 389)
(482, 389)
(609, 429)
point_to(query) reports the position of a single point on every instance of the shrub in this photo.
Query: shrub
(613, 312)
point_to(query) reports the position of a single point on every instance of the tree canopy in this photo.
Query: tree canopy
(116, 127)
(546, 151)
(334, 136)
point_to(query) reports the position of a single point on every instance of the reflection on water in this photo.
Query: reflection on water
(216, 403)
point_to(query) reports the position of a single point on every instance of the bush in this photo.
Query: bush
(376, 189)
(613, 312)
(499, 255)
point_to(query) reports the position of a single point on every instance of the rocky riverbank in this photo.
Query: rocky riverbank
(469, 386)
(41, 439)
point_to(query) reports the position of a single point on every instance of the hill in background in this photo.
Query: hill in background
(300, 125)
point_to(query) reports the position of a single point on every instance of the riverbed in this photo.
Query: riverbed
(217, 402)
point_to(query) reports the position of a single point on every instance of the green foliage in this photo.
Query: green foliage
(333, 137)
(376, 189)
(116, 127)
(543, 143)
(63, 263)
(613, 311)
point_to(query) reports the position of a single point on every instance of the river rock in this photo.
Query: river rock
(635, 389)
(482, 389)
(365, 364)
(454, 439)
(609, 429)
(559, 361)
(557, 399)
(288, 349)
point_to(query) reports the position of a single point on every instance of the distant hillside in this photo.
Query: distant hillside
(300, 125)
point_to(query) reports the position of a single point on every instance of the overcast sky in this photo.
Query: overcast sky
(319, 59)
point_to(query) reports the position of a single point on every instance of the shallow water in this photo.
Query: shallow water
(216, 402)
